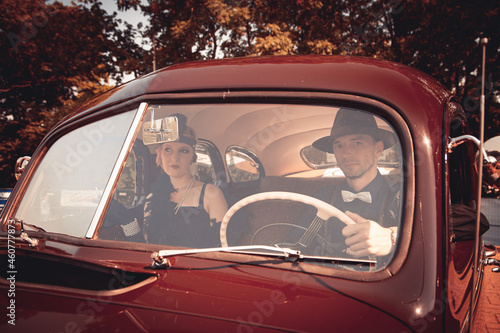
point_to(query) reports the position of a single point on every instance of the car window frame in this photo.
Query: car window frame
(253, 158)
(55, 135)
(220, 177)
(390, 113)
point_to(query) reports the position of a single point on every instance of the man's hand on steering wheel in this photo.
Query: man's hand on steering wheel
(325, 210)
(367, 238)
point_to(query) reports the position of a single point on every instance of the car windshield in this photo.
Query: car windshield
(208, 175)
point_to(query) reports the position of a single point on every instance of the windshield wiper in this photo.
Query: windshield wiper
(161, 261)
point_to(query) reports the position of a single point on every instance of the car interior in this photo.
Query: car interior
(276, 156)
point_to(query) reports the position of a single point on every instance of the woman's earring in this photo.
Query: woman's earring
(192, 168)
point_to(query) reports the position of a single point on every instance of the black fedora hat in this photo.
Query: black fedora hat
(354, 122)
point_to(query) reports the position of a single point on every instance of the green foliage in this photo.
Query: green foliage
(53, 57)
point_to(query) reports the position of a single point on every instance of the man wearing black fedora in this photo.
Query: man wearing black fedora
(364, 195)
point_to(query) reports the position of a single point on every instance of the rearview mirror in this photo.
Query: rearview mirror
(160, 130)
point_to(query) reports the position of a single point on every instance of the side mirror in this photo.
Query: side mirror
(492, 144)
(21, 164)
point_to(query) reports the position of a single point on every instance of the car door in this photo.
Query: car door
(460, 194)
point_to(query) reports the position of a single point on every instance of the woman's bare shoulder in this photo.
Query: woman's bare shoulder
(213, 189)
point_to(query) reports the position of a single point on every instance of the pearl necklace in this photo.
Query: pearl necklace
(184, 196)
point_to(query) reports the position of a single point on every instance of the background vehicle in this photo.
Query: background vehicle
(76, 266)
(490, 205)
(4, 195)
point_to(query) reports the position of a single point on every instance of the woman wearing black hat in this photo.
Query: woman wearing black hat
(181, 210)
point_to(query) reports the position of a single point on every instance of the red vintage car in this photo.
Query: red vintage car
(93, 242)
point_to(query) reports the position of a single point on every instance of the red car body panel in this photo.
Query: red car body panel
(246, 293)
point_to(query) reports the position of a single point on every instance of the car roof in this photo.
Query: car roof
(395, 84)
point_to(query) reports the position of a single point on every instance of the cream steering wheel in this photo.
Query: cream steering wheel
(325, 210)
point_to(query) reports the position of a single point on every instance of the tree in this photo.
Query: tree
(50, 56)
(441, 38)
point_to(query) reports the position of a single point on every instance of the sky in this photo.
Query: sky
(131, 16)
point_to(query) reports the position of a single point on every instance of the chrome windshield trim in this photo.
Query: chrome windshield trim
(134, 127)
(283, 251)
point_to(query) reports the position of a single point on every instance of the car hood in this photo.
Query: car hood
(196, 294)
